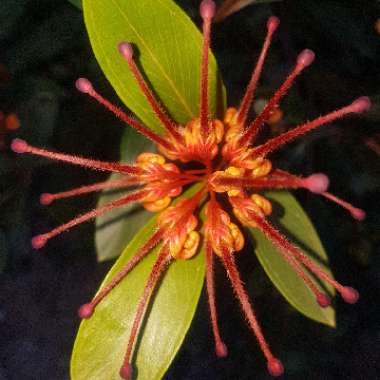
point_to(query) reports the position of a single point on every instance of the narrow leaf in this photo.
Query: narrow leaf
(168, 47)
(294, 223)
(101, 341)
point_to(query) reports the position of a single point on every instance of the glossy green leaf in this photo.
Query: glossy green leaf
(168, 47)
(115, 229)
(295, 224)
(101, 341)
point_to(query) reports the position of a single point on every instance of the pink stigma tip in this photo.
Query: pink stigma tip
(323, 300)
(275, 367)
(85, 311)
(38, 241)
(221, 350)
(305, 58)
(273, 23)
(46, 199)
(83, 85)
(19, 146)
(126, 50)
(358, 214)
(207, 9)
(350, 295)
(361, 104)
(126, 371)
(317, 183)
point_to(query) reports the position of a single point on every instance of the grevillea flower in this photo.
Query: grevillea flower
(231, 171)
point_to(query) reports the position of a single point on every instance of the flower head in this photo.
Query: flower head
(231, 170)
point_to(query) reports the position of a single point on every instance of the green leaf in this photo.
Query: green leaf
(115, 229)
(295, 224)
(168, 48)
(101, 341)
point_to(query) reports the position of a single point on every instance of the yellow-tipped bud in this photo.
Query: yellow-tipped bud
(151, 158)
(190, 247)
(157, 205)
(263, 169)
(230, 115)
(237, 237)
(263, 203)
(235, 193)
(232, 170)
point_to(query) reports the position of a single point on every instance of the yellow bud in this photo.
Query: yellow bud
(152, 158)
(235, 193)
(232, 170)
(263, 203)
(190, 246)
(240, 216)
(229, 116)
(237, 236)
(263, 169)
(157, 205)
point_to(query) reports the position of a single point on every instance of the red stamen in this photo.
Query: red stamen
(355, 212)
(21, 146)
(85, 86)
(359, 105)
(86, 310)
(281, 242)
(316, 183)
(47, 198)
(274, 365)
(305, 58)
(322, 299)
(158, 268)
(126, 371)
(40, 240)
(220, 348)
(207, 12)
(126, 50)
(272, 25)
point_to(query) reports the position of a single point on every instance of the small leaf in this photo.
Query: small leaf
(299, 229)
(115, 229)
(101, 341)
(168, 47)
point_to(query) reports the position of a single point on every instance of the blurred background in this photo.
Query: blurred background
(44, 49)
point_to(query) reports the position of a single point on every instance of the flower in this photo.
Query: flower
(221, 157)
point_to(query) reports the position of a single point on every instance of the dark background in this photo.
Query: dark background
(44, 48)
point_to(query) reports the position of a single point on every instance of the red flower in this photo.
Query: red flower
(232, 170)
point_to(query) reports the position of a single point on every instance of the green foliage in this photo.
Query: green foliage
(168, 47)
(101, 341)
(297, 226)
